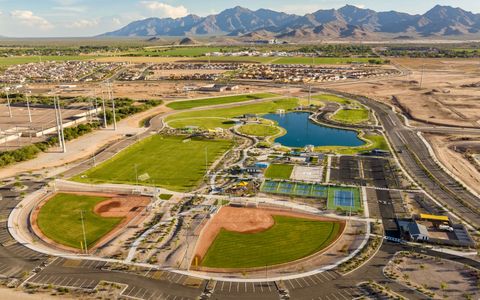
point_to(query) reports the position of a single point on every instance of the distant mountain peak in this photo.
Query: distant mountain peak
(348, 21)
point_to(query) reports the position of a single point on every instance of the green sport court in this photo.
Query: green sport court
(346, 198)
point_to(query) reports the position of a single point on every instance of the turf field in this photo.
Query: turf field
(170, 162)
(180, 105)
(60, 220)
(278, 171)
(336, 200)
(332, 98)
(259, 130)
(352, 116)
(221, 117)
(287, 240)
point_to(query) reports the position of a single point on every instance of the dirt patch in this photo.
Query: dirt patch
(243, 220)
(435, 277)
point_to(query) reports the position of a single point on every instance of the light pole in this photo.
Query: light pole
(28, 107)
(8, 103)
(84, 235)
(61, 125)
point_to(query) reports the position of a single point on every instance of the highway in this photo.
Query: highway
(416, 159)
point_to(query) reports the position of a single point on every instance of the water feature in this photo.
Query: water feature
(301, 131)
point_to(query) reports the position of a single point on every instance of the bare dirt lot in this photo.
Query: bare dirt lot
(433, 93)
(439, 279)
(444, 147)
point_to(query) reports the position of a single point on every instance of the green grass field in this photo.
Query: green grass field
(332, 98)
(331, 199)
(170, 162)
(287, 240)
(60, 220)
(374, 142)
(209, 119)
(259, 130)
(352, 116)
(277, 171)
(17, 60)
(180, 105)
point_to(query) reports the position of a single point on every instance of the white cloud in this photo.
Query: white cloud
(360, 5)
(28, 18)
(73, 9)
(81, 24)
(165, 10)
(116, 22)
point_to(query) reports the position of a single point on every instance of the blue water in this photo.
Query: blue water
(301, 131)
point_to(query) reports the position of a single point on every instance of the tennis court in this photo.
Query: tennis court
(344, 198)
(291, 188)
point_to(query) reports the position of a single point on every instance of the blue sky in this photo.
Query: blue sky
(52, 18)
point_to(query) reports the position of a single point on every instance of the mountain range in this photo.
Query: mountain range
(346, 22)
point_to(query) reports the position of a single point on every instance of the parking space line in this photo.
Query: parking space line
(238, 287)
(343, 296)
(318, 278)
(311, 280)
(68, 283)
(305, 281)
(290, 283)
(230, 286)
(299, 284)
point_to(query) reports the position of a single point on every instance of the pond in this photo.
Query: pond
(301, 131)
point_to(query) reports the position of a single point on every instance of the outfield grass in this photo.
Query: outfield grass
(352, 116)
(209, 119)
(60, 220)
(356, 199)
(279, 171)
(17, 60)
(171, 162)
(259, 130)
(180, 105)
(287, 240)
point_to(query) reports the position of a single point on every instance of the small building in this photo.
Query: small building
(418, 232)
(253, 170)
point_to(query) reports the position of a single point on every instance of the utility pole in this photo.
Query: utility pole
(28, 107)
(309, 95)
(84, 235)
(421, 76)
(8, 103)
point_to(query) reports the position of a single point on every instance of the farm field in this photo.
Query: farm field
(259, 130)
(181, 105)
(16, 60)
(320, 60)
(277, 171)
(352, 116)
(59, 219)
(289, 239)
(169, 162)
(210, 119)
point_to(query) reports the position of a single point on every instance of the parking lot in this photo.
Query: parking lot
(245, 290)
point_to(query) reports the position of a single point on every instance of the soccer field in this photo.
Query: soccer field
(180, 105)
(279, 171)
(221, 117)
(287, 240)
(169, 162)
(60, 220)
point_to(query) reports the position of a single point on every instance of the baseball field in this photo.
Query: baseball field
(250, 238)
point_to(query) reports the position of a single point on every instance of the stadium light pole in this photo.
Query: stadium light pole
(83, 230)
(61, 125)
(57, 122)
(8, 103)
(28, 107)
(110, 93)
(104, 111)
